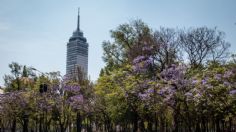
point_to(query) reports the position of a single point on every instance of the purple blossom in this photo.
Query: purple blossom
(149, 61)
(143, 96)
(151, 90)
(138, 68)
(76, 98)
(147, 48)
(72, 88)
(227, 74)
(204, 81)
(218, 77)
(188, 94)
(142, 63)
(194, 81)
(171, 90)
(161, 92)
(226, 83)
(76, 101)
(232, 92)
(138, 59)
(174, 73)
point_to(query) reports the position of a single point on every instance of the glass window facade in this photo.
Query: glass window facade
(77, 52)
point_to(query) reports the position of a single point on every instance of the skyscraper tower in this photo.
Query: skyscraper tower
(77, 52)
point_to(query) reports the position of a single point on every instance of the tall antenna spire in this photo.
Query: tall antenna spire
(78, 23)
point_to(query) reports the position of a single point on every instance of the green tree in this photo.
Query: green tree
(12, 82)
(128, 41)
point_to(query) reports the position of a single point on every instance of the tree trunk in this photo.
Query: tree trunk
(198, 127)
(40, 124)
(203, 125)
(217, 125)
(150, 126)
(141, 126)
(135, 122)
(156, 121)
(78, 122)
(25, 125)
(176, 123)
(230, 125)
(13, 127)
(62, 128)
(162, 123)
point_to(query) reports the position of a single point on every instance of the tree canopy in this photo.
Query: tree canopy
(153, 80)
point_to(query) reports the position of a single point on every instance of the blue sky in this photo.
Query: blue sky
(35, 32)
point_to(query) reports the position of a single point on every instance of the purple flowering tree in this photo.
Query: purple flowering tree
(76, 97)
(15, 106)
(213, 97)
